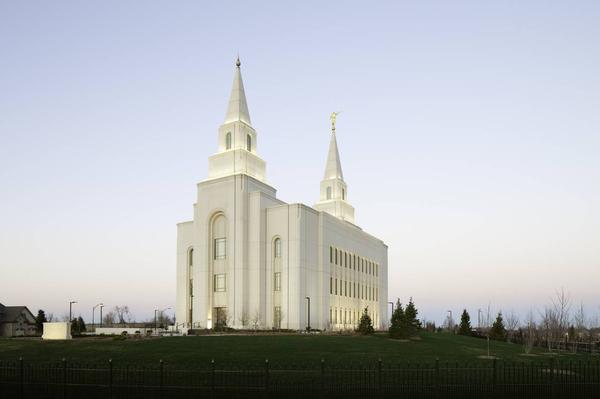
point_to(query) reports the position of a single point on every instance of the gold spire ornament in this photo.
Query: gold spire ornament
(332, 118)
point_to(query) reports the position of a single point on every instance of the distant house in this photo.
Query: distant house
(16, 321)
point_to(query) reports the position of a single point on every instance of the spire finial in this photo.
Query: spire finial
(332, 118)
(237, 62)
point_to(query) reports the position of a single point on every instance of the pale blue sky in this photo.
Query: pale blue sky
(469, 140)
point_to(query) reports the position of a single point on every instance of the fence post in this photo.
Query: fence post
(552, 368)
(322, 379)
(64, 379)
(110, 378)
(212, 378)
(21, 379)
(379, 386)
(494, 381)
(437, 378)
(161, 379)
(266, 378)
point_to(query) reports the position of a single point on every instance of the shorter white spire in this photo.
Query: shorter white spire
(333, 167)
(334, 191)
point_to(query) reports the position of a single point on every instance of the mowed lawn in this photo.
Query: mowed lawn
(279, 349)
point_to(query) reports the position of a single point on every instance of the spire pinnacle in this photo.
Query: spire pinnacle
(237, 110)
(333, 168)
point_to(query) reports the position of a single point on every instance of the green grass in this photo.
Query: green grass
(299, 349)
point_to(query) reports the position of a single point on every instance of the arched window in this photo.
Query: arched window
(249, 143)
(277, 248)
(228, 141)
(343, 194)
(191, 257)
(328, 193)
(219, 238)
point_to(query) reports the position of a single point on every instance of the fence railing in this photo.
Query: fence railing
(491, 379)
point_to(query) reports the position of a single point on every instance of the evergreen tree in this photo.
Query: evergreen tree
(81, 324)
(411, 315)
(40, 319)
(465, 323)
(397, 321)
(366, 325)
(403, 325)
(498, 331)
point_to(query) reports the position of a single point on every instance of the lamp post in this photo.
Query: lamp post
(101, 306)
(71, 313)
(71, 310)
(450, 320)
(93, 312)
(308, 299)
(479, 319)
(155, 311)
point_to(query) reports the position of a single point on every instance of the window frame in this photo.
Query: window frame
(217, 279)
(217, 253)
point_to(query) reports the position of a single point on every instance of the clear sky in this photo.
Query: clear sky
(469, 139)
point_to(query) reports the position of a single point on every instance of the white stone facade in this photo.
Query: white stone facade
(249, 260)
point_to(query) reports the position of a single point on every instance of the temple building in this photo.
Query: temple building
(249, 260)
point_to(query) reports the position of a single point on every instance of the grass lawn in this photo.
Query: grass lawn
(279, 349)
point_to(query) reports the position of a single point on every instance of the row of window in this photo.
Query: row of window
(352, 290)
(352, 261)
(228, 142)
(220, 282)
(348, 316)
(329, 193)
(220, 249)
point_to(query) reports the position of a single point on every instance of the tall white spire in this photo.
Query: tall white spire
(237, 109)
(334, 191)
(237, 149)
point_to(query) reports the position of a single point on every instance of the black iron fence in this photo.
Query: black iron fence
(491, 379)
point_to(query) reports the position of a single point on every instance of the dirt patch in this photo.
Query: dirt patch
(488, 357)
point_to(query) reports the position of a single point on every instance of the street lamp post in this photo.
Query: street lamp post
(71, 313)
(308, 328)
(101, 306)
(93, 313)
(71, 310)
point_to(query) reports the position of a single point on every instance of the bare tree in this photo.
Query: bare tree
(449, 323)
(255, 320)
(529, 336)
(512, 322)
(580, 320)
(123, 314)
(50, 317)
(244, 318)
(109, 318)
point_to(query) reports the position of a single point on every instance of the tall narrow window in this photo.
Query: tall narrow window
(277, 316)
(328, 193)
(343, 193)
(191, 257)
(220, 282)
(331, 285)
(220, 248)
(277, 281)
(228, 141)
(249, 143)
(277, 248)
(330, 254)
